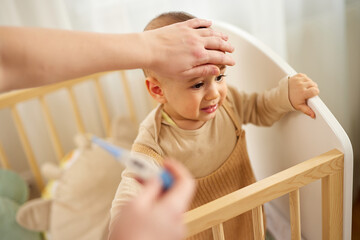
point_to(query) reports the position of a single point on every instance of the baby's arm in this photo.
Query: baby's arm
(262, 109)
(301, 88)
(128, 189)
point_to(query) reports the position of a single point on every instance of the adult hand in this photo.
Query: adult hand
(154, 214)
(182, 50)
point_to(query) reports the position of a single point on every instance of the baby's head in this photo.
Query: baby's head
(189, 102)
(167, 19)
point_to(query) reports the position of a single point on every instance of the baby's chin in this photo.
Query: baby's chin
(208, 116)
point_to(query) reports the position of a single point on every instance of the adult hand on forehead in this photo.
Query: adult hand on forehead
(182, 50)
(154, 214)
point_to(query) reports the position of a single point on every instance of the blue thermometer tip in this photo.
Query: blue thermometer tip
(167, 179)
(115, 151)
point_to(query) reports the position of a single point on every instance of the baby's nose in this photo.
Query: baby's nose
(212, 93)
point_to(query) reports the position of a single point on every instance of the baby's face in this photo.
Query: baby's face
(190, 103)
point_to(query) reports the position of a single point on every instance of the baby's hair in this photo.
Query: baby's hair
(168, 18)
(163, 20)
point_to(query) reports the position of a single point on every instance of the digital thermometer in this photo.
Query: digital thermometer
(136, 162)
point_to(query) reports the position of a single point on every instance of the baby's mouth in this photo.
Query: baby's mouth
(210, 109)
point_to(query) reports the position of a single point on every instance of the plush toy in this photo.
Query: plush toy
(77, 204)
(13, 193)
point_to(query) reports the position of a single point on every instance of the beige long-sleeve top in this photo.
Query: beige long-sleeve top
(203, 150)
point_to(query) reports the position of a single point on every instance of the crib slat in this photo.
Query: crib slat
(53, 133)
(128, 96)
(332, 206)
(258, 223)
(79, 122)
(3, 159)
(218, 232)
(294, 202)
(14, 97)
(102, 105)
(28, 150)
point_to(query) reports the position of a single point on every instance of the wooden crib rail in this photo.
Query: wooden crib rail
(12, 99)
(328, 167)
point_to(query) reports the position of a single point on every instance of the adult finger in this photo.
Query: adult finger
(181, 193)
(215, 43)
(197, 22)
(209, 32)
(217, 58)
(202, 71)
(204, 25)
(152, 189)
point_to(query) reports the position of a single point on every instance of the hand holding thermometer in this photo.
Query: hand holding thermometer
(136, 163)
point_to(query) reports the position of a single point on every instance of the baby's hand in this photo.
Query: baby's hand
(301, 88)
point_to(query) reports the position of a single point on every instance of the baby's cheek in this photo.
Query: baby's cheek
(224, 90)
(191, 110)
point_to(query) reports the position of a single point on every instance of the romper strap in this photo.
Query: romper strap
(140, 148)
(233, 117)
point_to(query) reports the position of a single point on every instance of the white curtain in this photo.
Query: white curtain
(320, 38)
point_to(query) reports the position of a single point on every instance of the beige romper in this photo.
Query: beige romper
(233, 174)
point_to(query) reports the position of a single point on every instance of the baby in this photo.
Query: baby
(199, 123)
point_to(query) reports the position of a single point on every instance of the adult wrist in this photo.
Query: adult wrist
(148, 49)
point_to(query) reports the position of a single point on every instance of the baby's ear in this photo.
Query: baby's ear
(155, 89)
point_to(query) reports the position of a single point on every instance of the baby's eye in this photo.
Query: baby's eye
(198, 85)
(220, 77)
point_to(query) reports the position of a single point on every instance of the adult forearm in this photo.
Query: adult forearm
(34, 56)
